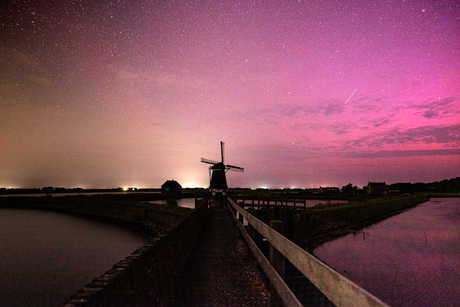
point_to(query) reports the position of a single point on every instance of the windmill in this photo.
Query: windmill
(217, 170)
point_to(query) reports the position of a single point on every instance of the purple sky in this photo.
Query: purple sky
(304, 93)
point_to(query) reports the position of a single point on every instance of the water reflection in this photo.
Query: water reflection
(409, 259)
(46, 256)
(181, 202)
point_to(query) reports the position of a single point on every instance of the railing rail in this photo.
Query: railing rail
(337, 288)
(286, 295)
(260, 201)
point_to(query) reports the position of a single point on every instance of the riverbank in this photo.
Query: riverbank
(148, 219)
(331, 221)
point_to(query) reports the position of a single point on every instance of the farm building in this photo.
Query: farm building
(171, 187)
(329, 190)
(377, 188)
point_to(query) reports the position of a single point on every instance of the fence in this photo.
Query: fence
(258, 201)
(337, 288)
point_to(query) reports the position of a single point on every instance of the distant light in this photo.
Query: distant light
(192, 185)
(130, 189)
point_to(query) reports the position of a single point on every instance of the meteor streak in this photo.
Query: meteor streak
(350, 96)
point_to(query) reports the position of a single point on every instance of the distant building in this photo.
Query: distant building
(329, 190)
(171, 187)
(377, 188)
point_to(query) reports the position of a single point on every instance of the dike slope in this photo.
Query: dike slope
(149, 219)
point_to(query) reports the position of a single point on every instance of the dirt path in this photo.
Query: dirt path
(220, 270)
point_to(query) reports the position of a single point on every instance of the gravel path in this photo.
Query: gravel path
(220, 270)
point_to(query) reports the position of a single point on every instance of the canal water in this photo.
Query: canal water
(45, 257)
(181, 202)
(412, 259)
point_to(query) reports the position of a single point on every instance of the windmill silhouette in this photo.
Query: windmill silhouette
(217, 170)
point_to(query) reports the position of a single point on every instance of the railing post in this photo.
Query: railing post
(277, 262)
(251, 230)
(196, 200)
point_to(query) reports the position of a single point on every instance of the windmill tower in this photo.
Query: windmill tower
(217, 170)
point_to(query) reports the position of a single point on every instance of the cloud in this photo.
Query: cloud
(331, 107)
(293, 111)
(327, 108)
(430, 114)
(448, 135)
(40, 80)
(25, 72)
(287, 153)
(382, 122)
(437, 108)
(404, 153)
(18, 57)
(440, 107)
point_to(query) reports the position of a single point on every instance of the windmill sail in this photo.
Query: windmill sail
(208, 161)
(222, 145)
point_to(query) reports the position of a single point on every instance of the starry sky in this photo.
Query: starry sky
(102, 94)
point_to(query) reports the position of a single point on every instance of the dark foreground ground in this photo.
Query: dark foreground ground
(220, 270)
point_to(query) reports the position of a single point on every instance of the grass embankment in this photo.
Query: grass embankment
(331, 221)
